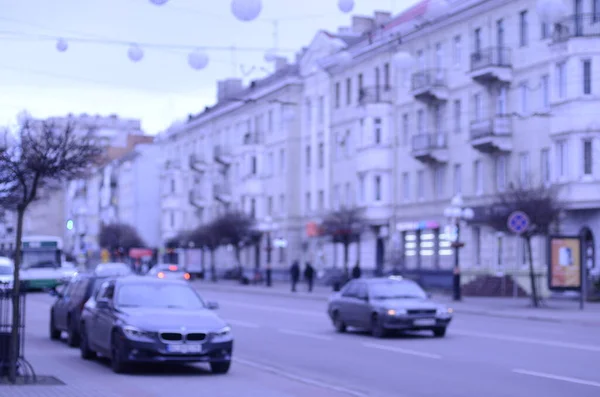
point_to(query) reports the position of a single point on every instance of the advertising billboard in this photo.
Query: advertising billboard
(565, 263)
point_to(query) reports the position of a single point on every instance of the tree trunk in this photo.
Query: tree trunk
(237, 258)
(534, 295)
(213, 270)
(16, 303)
(346, 249)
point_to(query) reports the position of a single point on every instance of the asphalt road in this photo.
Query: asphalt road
(287, 347)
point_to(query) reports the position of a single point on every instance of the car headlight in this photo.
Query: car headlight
(396, 312)
(444, 311)
(222, 335)
(137, 334)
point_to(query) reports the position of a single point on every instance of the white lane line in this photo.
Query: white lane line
(402, 351)
(302, 379)
(304, 334)
(557, 377)
(243, 324)
(275, 309)
(552, 343)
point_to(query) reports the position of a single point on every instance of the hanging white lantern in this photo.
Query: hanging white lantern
(135, 53)
(158, 2)
(403, 60)
(271, 55)
(198, 60)
(246, 10)
(437, 9)
(346, 6)
(551, 11)
(62, 45)
(344, 58)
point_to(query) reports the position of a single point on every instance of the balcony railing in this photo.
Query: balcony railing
(222, 153)
(252, 138)
(429, 78)
(497, 126)
(425, 142)
(491, 57)
(579, 25)
(375, 94)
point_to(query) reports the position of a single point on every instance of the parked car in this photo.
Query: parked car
(140, 319)
(386, 304)
(66, 311)
(169, 271)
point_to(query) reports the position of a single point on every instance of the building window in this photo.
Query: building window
(271, 162)
(377, 188)
(253, 208)
(172, 219)
(545, 92)
(173, 186)
(561, 159)
(282, 204)
(457, 179)
(282, 160)
(439, 57)
(420, 121)
(561, 79)
(321, 155)
(438, 182)
(523, 95)
(386, 76)
(420, 184)
(501, 173)
(501, 101)
(588, 157)
(270, 120)
(321, 110)
(457, 115)
(406, 186)
(545, 166)
(348, 91)
(477, 245)
(377, 130)
(524, 170)
(477, 107)
(405, 129)
(307, 202)
(253, 165)
(361, 188)
(321, 200)
(545, 31)
(349, 198)
(270, 205)
(360, 83)
(457, 50)
(336, 197)
(523, 29)
(308, 155)
(478, 176)
(337, 95)
(587, 76)
(308, 105)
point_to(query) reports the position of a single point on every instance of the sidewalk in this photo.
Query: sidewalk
(551, 310)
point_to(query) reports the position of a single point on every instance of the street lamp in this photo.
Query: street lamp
(269, 228)
(456, 213)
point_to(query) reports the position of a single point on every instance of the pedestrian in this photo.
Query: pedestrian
(269, 274)
(295, 274)
(309, 276)
(356, 272)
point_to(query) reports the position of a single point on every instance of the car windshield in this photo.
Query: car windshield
(6, 270)
(158, 295)
(396, 290)
(42, 259)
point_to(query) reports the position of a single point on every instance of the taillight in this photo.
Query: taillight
(173, 268)
(187, 276)
(161, 275)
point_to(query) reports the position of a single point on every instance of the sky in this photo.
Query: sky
(95, 76)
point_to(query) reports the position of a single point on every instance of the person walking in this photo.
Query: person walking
(356, 271)
(309, 276)
(295, 274)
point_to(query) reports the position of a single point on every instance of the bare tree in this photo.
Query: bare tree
(207, 237)
(235, 228)
(344, 226)
(119, 237)
(543, 208)
(39, 156)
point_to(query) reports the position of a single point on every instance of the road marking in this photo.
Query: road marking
(557, 377)
(244, 324)
(305, 334)
(301, 379)
(552, 343)
(402, 351)
(274, 309)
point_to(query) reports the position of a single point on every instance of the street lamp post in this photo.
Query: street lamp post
(456, 213)
(269, 222)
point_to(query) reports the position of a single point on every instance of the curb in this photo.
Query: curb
(478, 312)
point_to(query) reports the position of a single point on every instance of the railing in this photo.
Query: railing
(221, 151)
(252, 138)
(491, 57)
(172, 164)
(196, 158)
(424, 142)
(375, 94)
(500, 125)
(579, 25)
(196, 196)
(221, 190)
(429, 78)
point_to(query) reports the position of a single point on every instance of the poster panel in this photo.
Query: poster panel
(564, 271)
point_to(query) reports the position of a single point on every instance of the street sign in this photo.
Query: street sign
(518, 222)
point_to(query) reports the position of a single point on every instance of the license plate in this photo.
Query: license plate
(184, 349)
(425, 322)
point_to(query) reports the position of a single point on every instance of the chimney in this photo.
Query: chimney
(280, 63)
(382, 17)
(344, 30)
(362, 24)
(227, 89)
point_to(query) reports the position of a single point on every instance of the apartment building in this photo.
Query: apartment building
(493, 97)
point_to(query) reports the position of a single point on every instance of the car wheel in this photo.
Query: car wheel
(338, 324)
(439, 332)
(220, 367)
(72, 334)
(117, 363)
(54, 332)
(377, 328)
(84, 348)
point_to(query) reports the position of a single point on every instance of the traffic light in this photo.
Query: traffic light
(70, 224)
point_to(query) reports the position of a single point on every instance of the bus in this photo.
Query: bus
(43, 263)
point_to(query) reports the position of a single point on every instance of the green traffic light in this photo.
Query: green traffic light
(69, 224)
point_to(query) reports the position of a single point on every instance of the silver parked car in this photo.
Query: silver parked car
(387, 304)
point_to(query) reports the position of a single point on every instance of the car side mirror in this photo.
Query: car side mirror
(212, 305)
(102, 304)
(53, 292)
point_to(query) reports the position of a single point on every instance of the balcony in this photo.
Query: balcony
(492, 135)
(252, 138)
(172, 164)
(223, 155)
(197, 198)
(430, 148)
(491, 65)
(251, 185)
(430, 86)
(222, 193)
(375, 95)
(198, 163)
(574, 26)
(374, 158)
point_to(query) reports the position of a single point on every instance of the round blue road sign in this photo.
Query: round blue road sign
(518, 222)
